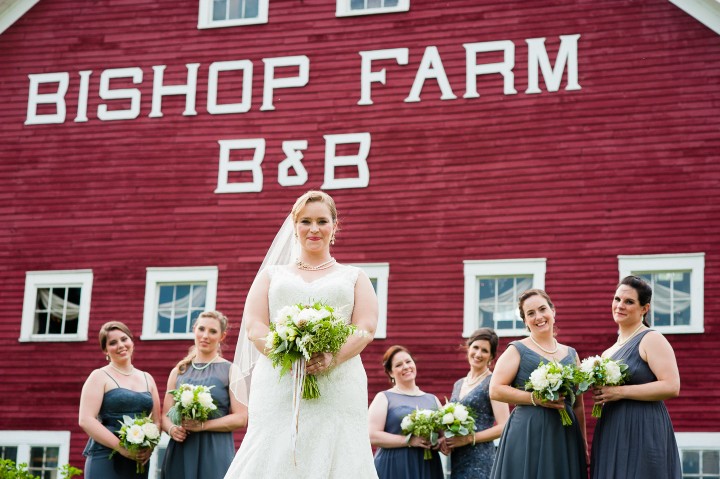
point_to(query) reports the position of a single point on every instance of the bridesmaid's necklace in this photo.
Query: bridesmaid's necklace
(470, 382)
(546, 350)
(620, 343)
(200, 368)
(306, 267)
(414, 392)
(132, 369)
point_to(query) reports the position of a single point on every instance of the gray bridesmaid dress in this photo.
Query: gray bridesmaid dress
(534, 443)
(635, 439)
(203, 454)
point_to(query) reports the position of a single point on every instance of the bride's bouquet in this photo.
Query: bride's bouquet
(552, 380)
(298, 332)
(191, 402)
(422, 423)
(136, 434)
(598, 371)
(456, 419)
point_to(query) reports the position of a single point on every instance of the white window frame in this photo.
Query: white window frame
(24, 440)
(34, 280)
(474, 269)
(703, 441)
(153, 463)
(652, 263)
(379, 272)
(206, 10)
(190, 274)
(342, 9)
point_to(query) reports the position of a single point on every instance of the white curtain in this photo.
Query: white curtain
(72, 312)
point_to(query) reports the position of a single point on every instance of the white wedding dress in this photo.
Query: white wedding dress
(332, 440)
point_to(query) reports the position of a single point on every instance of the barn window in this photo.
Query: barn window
(699, 454)
(678, 287)
(232, 13)
(174, 298)
(491, 291)
(349, 8)
(56, 305)
(378, 274)
(44, 452)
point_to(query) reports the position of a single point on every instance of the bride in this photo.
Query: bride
(331, 439)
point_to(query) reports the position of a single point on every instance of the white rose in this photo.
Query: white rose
(287, 312)
(612, 372)
(426, 413)
(150, 430)
(205, 400)
(406, 423)
(270, 340)
(539, 380)
(186, 398)
(448, 418)
(554, 379)
(323, 313)
(281, 331)
(309, 315)
(588, 364)
(461, 413)
(135, 434)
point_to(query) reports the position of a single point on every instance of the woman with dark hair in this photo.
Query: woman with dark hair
(203, 450)
(634, 437)
(400, 456)
(473, 455)
(109, 393)
(534, 442)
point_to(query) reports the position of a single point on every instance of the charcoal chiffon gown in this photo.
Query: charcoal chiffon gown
(203, 454)
(534, 443)
(635, 439)
(116, 403)
(406, 462)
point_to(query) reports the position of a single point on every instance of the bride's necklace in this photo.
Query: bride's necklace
(470, 382)
(306, 267)
(546, 350)
(200, 368)
(620, 343)
(132, 370)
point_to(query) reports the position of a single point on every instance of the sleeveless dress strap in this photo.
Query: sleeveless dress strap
(113, 379)
(147, 384)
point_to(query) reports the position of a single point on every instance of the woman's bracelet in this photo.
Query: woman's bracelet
(473, 438)
(532, 399)
(407, 440)
(171, 429)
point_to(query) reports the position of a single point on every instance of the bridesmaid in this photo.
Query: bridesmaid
(634, 437)
(399, 456)
(473, 455)
(534, 442)
(109, 393)
(203, 450)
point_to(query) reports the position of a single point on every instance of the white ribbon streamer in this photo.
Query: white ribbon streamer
(298, 372)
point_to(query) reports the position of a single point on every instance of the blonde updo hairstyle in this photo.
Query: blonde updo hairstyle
(192, 352)
(311, 197)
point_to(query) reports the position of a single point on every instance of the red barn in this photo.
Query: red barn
(150, 150)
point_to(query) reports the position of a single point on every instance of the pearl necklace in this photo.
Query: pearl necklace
(200, 368)
(620, 343)
(414, 392)
(546, 350)
(132, 370)
(470, 382)
(306, 267)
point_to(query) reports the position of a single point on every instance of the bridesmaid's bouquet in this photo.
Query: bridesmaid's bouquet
(598, 371)
(136, 434)
(552, 380)
(301, 330)
(191, 402)
(422, 423)
(456, 419)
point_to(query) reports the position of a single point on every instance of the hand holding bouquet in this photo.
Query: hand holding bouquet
(301, 330)
(422, 423)
(597, 371)
(191, 402)
(137, 434)
(552, 380)
(456, 420)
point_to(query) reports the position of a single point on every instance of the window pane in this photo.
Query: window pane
(199, 293)
(374, 3)
(357, 4)
(374, 283)
(163, 321)
(682, 282)
(41, 323)
(180, 323)
(251, 9)
(219, 8)
(194, 315)
(182, 296)
(391, 3)
(691, 462)
(487, 289)
(166, 294)
(711, 462)
(486, 319)
(682, 313)
(9, 452)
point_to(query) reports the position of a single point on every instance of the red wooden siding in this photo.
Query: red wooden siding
(626, 165)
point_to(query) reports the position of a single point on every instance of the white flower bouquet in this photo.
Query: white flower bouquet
(191, 402)
(422, 423)
(456, 419)
(301, 330)
(136, 434)
(552, 380)
(598, 371)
